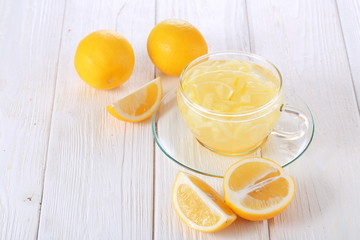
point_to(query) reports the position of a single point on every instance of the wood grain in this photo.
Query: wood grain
(99, 175)
(305, 41)
(349, 14)
(30, 35)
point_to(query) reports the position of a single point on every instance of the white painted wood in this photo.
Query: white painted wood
(349, 13)
(224, 29)
(100, 171)
(304, 40)
(30, 34)
(99, 175)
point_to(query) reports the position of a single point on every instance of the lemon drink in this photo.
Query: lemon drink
(230, 105)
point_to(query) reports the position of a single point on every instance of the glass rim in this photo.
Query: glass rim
(236, 114)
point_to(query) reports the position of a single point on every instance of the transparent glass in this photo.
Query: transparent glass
(232, 132)
(178, 143)
(288, 135)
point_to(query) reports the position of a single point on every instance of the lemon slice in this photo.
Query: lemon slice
(199, 205)
(138, 105)
(257, 188)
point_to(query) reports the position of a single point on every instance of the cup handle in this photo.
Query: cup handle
(301, 117)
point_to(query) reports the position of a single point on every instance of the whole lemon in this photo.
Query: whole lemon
(173, 44)
(104, 59)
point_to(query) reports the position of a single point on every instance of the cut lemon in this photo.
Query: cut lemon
(199, 205)
(257, 188)
(138, 105)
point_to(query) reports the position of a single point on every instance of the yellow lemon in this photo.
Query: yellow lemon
(199, 205)
(138, 105)
(104, 59)
(173, 44)
(257, 188)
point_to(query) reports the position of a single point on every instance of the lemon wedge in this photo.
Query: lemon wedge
(199, 205)
(257, 188)
(138, 105)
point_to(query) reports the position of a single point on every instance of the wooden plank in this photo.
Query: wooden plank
(349, 13)
(30, 35)
(224, 26)
(304, 40)
(99, 176)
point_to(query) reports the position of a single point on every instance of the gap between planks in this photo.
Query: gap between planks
(51, 120)
(347, 56)
(154, 150)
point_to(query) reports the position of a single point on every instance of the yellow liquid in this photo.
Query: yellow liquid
(233, 88)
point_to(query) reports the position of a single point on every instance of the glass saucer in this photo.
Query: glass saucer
(179, 144)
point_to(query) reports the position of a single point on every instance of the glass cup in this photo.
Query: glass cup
(231, 133)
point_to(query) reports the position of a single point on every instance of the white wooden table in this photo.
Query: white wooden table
(68, 170)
